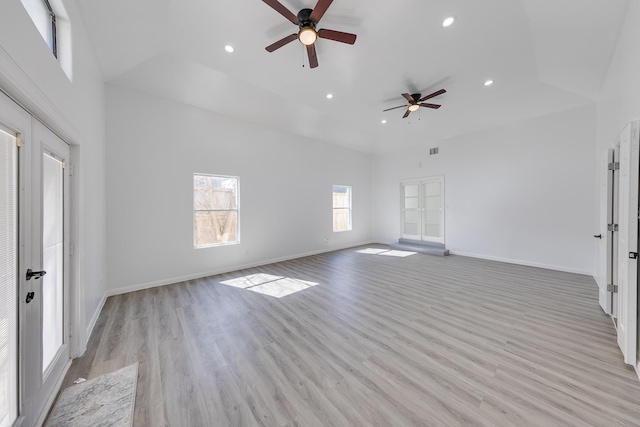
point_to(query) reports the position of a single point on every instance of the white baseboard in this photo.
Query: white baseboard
(525, 263)
(172, 280)
(94, 318)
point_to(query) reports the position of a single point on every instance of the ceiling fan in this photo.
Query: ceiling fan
(415, 102)
(306, 20)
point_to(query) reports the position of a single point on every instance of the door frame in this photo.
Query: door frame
(608, 299)
(19, 88)
(20, 120)
(421, 208)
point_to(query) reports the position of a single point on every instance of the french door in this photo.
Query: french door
(34, 347)
(422, 209)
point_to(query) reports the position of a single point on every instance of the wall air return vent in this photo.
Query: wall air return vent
(433, 151)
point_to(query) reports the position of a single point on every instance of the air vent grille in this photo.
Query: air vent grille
(433, 151)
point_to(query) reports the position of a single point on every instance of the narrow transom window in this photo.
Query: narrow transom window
(44, 18)
(215, 210)
(341, 208)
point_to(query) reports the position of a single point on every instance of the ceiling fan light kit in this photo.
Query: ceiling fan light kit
(307, 36)
(307, 20)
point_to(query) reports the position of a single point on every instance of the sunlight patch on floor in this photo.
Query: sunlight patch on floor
(251, 280)
(372, 251)
(385, 252)
(267, 284)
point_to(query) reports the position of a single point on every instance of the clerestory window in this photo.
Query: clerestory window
(44, 18)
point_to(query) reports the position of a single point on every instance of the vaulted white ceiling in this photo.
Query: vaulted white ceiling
(544, 56)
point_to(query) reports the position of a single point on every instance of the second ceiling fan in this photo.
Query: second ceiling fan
(415, 102)
(306, 20)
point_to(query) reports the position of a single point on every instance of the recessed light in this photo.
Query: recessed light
(329, 96)
(488, 83)
(383, 121)
(448, 21)
(229, 48)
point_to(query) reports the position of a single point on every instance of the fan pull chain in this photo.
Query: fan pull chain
(303, 52)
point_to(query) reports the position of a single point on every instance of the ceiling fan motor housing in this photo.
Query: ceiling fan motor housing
(416, 96)
(304, 19)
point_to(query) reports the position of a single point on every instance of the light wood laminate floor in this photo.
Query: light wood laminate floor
(379, 341)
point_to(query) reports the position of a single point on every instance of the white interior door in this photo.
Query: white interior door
(628, 242)
(47, 315)
(15, 124)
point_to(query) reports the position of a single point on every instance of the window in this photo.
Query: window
(215, 210)
(44, 18)
(341, 208)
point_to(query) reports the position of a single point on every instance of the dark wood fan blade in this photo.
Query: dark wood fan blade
(434, 94)
(394, 108)
(313, 58)
(406, 114)
(409, 98)
(320, 9)
(279, 7)
(282, 42)
(434, 106)
(338, 36)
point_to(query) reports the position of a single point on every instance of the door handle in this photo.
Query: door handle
(598, 236)
(35, 274)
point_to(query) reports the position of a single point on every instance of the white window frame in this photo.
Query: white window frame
(350, 208)
(237, 210)
(46, 26)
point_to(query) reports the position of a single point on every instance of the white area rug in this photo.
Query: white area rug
(107, 400)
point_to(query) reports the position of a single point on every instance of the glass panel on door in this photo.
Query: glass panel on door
(432, 210)
(8, 278)
(53, 258)
(410, 211)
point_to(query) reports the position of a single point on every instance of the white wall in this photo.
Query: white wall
(618, 104)
(75, 110)
(519, 193)
(155, 146)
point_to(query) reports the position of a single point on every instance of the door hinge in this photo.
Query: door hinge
(633, 255)
(30, 296)
(71, 169)
(71, 249)
(612, 227)
(614, 166)
(612, 288)
(19, 140)
(64, 164)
